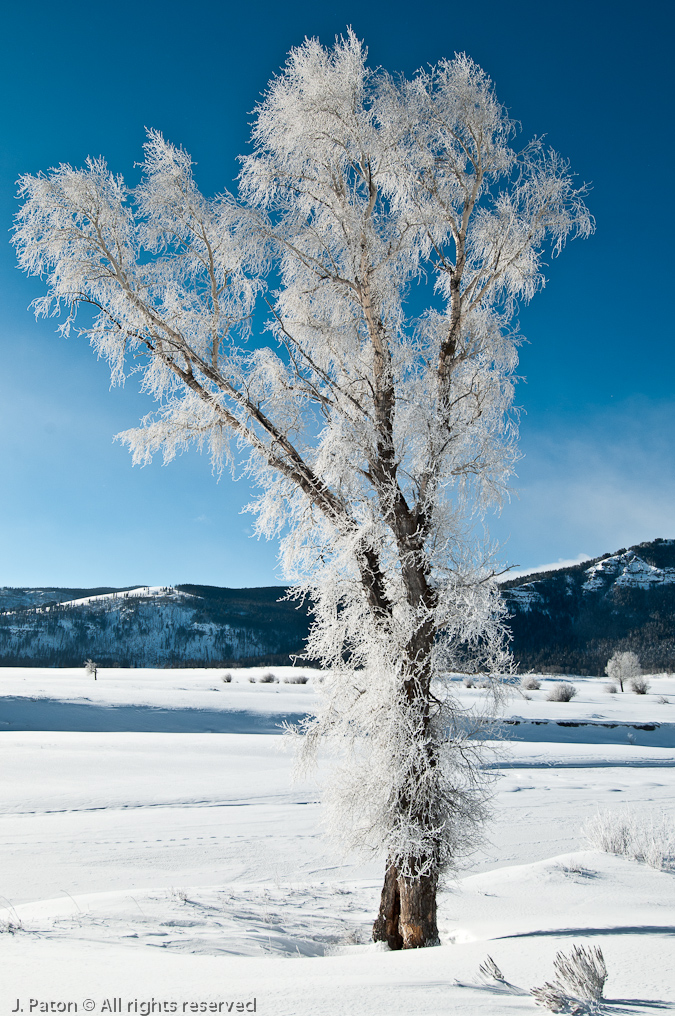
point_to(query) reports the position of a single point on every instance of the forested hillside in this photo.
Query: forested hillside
(569, 620)
(149, 626)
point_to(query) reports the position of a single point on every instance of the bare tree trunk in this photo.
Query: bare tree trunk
(386, 927)
(407, 917)
(417, 923)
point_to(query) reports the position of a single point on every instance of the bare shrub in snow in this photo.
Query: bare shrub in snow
(622, 667)
(609, 831)
(640, 685)
(12, 923)
(468, 682)
(268, 678)
(611, 689)
(379, 433)
(551, 997)
(296, 679)
(579, 978)
(529, 683)
(663, 701)
(639, 837)
(490, 971)
(562, 691)
(91, 668)
(583, 972)
(226, 678)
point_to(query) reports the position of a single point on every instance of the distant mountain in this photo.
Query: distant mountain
(149, 626)
(569, 620)
(572, 619)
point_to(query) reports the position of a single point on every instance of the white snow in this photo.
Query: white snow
(525, 596)
(187, 867)
(627, 570)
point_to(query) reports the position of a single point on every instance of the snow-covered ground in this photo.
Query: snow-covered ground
(151, 859)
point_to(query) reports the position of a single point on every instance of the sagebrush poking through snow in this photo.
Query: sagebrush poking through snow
(640, 837)
(562, 691)
(530, 683)
(490, 971)
(579, 978)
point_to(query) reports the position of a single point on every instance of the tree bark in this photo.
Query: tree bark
(407, 917)
(386, 927)
(417, 923)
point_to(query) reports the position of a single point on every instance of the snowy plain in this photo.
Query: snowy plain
(154, 847)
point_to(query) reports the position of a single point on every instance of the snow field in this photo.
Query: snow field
(195, 688)
(189, 866)
(199, 699)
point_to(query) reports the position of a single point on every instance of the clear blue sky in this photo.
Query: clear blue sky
(81, 78)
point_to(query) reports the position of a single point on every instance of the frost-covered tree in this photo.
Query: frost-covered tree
(91, 668)
(623, 667)
(390, 229)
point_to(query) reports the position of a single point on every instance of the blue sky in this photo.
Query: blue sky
(86, 79)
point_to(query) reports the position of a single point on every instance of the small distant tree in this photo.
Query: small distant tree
(623, 667)
(391, 228)
(91, 668)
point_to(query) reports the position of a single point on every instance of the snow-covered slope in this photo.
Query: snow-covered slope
(626, 571)
(106, 599)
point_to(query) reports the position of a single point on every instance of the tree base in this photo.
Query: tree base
(386, 927)
(407, 916)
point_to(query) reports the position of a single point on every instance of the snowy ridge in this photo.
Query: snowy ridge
(626, 570)
(144, 592)
(145, 630)
(570, 617)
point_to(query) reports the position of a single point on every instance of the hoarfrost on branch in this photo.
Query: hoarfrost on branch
(389, 228)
